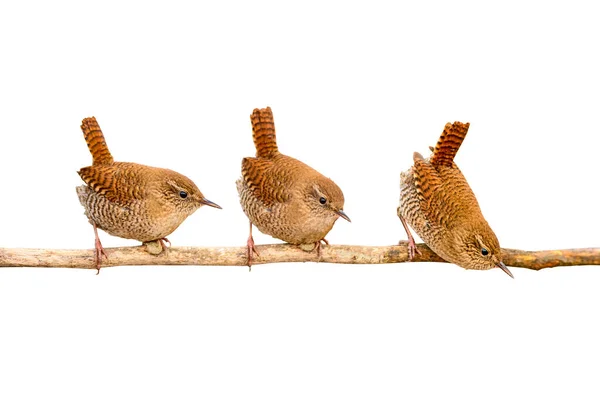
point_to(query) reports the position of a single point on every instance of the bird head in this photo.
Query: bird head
(181, 193)
(480, 249)
(325, 199)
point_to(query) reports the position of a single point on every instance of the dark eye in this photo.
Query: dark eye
(484, 252)
(183, 194)
(322, 200)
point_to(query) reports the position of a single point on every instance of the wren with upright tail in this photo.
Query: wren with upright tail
(132, 201)
(438, 203)
(284, 197)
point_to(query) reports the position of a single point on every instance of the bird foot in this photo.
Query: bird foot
(163, 243)
(318, 246)
(156, 247)
(412, 248)
(250, 250)
(98, 253)
(310, 247)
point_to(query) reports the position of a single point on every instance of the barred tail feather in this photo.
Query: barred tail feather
(449, 143)
(263, 133)
(96, 142)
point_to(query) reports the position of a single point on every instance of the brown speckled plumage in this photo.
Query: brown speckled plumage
(437, 202)
(283, 196)
(133, 201)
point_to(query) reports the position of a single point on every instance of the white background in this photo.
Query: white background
(355, 89)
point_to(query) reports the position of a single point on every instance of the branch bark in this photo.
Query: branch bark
(279, 253)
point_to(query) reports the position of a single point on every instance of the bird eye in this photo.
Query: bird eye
(183, 194)
(484, 252)
(322, 200)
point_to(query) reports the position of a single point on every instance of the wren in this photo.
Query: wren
(284, 197)
(439, 205)
(132, 201)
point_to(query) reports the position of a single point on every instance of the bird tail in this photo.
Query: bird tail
(96, 142)
(449, 143)
(263, 133)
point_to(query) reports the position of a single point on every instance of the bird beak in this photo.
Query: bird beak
(503, 268)
(210, 203)
(343, 215)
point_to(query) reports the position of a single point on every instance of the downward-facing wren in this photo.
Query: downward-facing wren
(130, 200)
(437, 202)
(282, 196)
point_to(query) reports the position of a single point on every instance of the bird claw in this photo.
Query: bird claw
(250, 250)
(98, 253)
(412, 249)
(318, 247)
(163, 242)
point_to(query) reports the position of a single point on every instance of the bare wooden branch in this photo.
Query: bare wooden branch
(279, 253)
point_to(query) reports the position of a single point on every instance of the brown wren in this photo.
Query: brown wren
(282, 196)
(437, 202)
(132, 201)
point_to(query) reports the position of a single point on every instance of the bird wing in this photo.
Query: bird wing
(449, 143)
(428, 183)
(117, 182)
(265, 181)
(445, 197)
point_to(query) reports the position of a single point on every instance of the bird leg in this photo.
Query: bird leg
(163, 243)
(99, 250)
(412, 247)
(318, 246)
(251, 249)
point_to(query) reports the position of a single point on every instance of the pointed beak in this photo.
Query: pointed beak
(343, 215)
(210, 203)
(505, 269)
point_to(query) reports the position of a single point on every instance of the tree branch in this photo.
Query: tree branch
(278, 253)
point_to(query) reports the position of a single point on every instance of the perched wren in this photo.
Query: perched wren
(130, 200)
(437, 202)
(282, 196)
